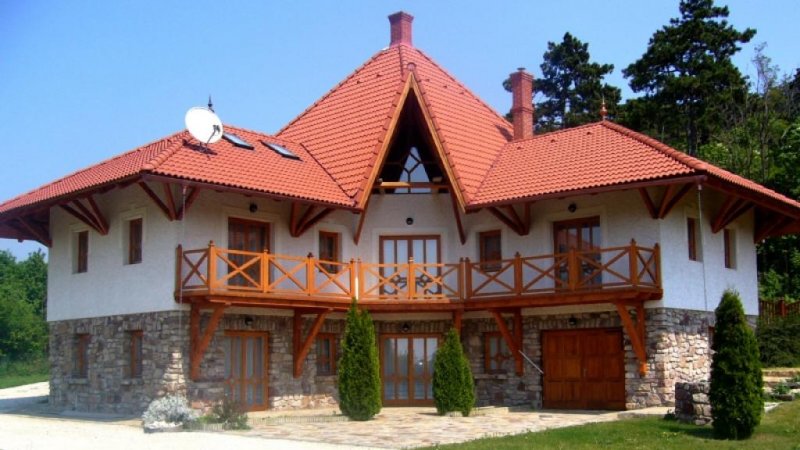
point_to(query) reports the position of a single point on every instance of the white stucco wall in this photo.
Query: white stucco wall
(111, 287)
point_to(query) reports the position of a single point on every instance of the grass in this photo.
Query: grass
(18, 373)
(780, 429)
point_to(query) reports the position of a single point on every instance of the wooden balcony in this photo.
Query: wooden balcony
(233, 277)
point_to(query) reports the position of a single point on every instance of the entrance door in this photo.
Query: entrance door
(250, 236)
(246, 368)
(582, 235)
(583, 369)
(398, 250)
(407, 369)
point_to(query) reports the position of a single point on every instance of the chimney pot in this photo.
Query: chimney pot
(400, 23)
(522, 107)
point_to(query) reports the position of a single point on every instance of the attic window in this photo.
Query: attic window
(237, 141)
(283, 151)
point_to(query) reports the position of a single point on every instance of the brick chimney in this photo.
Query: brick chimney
(401, 28)
(522, 107)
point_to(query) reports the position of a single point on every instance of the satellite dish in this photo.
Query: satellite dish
(204, 125)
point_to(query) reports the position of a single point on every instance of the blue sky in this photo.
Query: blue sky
(82, 81)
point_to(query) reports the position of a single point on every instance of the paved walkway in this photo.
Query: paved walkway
(26, 422)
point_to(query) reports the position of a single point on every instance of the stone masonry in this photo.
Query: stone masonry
(692, 404)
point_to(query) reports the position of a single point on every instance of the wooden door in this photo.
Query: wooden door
(582, 235)
(407, 369)
(399, 250)
(583, 369)
(249, 236)
(246, 368)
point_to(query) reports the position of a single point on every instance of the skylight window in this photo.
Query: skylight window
(237, 141)
(283, 151)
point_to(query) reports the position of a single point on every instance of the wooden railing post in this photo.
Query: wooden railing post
(633, 259)
(353, 279)
(460, 280)
(310, 273)
(264, 271)
(517, 274)
(178, 267)
(361, 280)
(212, 266)
(412, 280)
(657, 261)
(467, 279)
(572, 269)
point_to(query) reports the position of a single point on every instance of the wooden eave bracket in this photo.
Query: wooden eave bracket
(514, 342)
(199, 343)
(40, 232)
(171, 209)
(300, 222)
(636, 332)
(672, 195)
(302, 347)
(462, 234)
(731, 209)
(768, 224)
(91, 216)
(513, 220)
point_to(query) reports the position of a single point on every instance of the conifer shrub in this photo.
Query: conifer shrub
(736, 397)
(778, 342)
(359, 369)
(453, 387)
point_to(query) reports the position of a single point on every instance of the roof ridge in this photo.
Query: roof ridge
(462, 85)
(163, 155)
(332, 90)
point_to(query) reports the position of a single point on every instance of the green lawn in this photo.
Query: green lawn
(780, 429)
(8, 381)
(17, 373)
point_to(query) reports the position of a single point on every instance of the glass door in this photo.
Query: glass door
(246, 369)
(250, 236)
(396, 250)
(407, 369)
(584, 236)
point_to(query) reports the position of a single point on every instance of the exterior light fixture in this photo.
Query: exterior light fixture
(409, 221)
(253, 207)
(572, 207)
(572, 321)
(405, 327)
(248, 321)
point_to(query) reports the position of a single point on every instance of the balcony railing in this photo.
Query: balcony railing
(219, 271)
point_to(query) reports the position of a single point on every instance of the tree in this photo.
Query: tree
(453, 387)
(359, 370)
(572, 86)
(686, 73)
(736, 384)
(23, 287)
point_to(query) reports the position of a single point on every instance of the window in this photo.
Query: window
(496, 353)
(134, 241)
(81, 355)
(326, 354)
(729, 242)
(81, 252)
(135, 354)
(490, 250)
(237, 141)
(329, 250)
(281, 150)
(691, 234)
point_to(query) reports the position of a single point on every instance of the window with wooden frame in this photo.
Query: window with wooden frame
(330, 250)
(81, 355)
(691, 234)
(135, 354)
(81, 252)
(729, 243)
(326, 354)
(490, 250)
(496, 353)
(134, 241)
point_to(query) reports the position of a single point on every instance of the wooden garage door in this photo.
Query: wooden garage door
(583, 369)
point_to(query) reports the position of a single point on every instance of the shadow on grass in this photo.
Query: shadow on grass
(696, 431)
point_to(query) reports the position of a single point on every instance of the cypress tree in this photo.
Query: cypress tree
(359, 370)
(736, 384)
(453, 387)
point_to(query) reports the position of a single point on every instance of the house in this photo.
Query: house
(580, 266)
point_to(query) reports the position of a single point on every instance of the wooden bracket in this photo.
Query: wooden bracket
(462, 235)
(511, 219)
(767, 224)
(199, 344)
(458, 316)
(300, 223)
(187, 203)
(40, 232)
(302, 347)
(514, 342)
(731, 210)
(93, 218)
(636, 333)
(673, 194)
(167, 209)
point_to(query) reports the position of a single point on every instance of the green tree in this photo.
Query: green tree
(453, 387)
(359, 370)
(686, 73)
(736, 384)
(23, 331)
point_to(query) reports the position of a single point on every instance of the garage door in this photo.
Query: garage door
(583, 369)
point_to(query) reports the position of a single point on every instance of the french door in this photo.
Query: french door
(250, 236)
(584, 236)
(246, 364)
(407, 369)
(399, 250)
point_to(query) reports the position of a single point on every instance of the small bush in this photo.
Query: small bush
(778, 343)
(781, 389)
(359, 368)
(169, 410)
(230, 413)
(736, 384)
(453, 387)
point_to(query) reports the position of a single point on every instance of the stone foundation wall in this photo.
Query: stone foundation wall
(692, 404)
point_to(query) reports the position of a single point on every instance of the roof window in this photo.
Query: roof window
(283, 151)
(237, 141)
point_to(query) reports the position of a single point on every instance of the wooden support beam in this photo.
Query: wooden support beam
(731, 209)
(768, 224)
(648, 202)
(305, 226)
(462, 235)
(518, 339)
(201, 342)
(360, 227)
(511, 222)
(301, 350)
(188, 201)
(153, 196)
(458, 316)
(40, 233)
(511, 342)
(671, 198)
(80, 216)
(636, 333)
(173, 211)
(100, 218)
